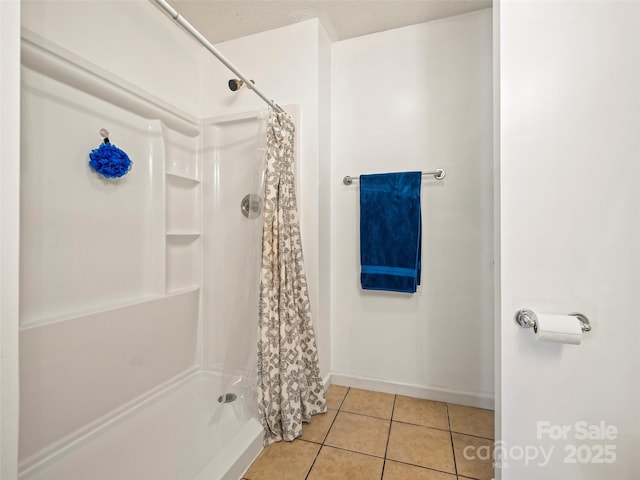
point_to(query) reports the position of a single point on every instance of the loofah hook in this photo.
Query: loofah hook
(108, 160)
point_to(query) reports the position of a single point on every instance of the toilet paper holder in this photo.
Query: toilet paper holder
(528, 319)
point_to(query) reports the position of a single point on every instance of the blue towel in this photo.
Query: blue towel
(390, 231)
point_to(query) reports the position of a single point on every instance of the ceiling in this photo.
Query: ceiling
(222, 20)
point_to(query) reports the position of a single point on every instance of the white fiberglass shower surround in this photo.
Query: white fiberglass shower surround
(138, 318)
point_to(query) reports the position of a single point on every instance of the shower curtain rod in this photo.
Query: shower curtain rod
(209, 46)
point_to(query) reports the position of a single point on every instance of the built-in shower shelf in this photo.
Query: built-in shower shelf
(183, 269)
(183, 205)
(183, 216)
(184, 177)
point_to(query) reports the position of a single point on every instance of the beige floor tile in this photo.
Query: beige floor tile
(473, 462)
(421, 412)
(359, 433)
(335, 395)
(335, 464)
(472, 421)
(316, 430)
(402, 471)
(422, 446)
(366, 402)
(283, 461)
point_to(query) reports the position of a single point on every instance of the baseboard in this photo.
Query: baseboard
(438, 394)
(326, 381)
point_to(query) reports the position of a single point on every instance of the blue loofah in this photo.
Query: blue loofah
(109, 161)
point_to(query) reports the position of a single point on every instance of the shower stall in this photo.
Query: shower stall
(138, 318)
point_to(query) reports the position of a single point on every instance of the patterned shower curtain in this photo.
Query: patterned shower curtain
(290, 389)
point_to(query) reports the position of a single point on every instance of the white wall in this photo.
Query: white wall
(418, 98)
(9, 236)
(132, 39)
(289, 64)
(570, 149)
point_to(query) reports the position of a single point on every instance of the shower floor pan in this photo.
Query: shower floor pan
(184, 434)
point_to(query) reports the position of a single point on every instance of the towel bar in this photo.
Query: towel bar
(439, 174)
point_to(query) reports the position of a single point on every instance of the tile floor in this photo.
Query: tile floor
(369, 435)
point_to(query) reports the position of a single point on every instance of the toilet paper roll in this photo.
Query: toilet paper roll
(558, 329)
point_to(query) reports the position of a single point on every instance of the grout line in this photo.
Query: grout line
(353, 451)
(386, 448)
(375, 456)
(368, 416)
(393, 407)
(427, 468)
(424, 426)
(344, 398)
(384, 459)
(464, 433)
(314, 461)
(416, 424)
(322, 444)
(324, 439)
(474, 436)
(453, 450)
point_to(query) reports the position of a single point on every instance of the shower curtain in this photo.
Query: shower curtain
(289, 386)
